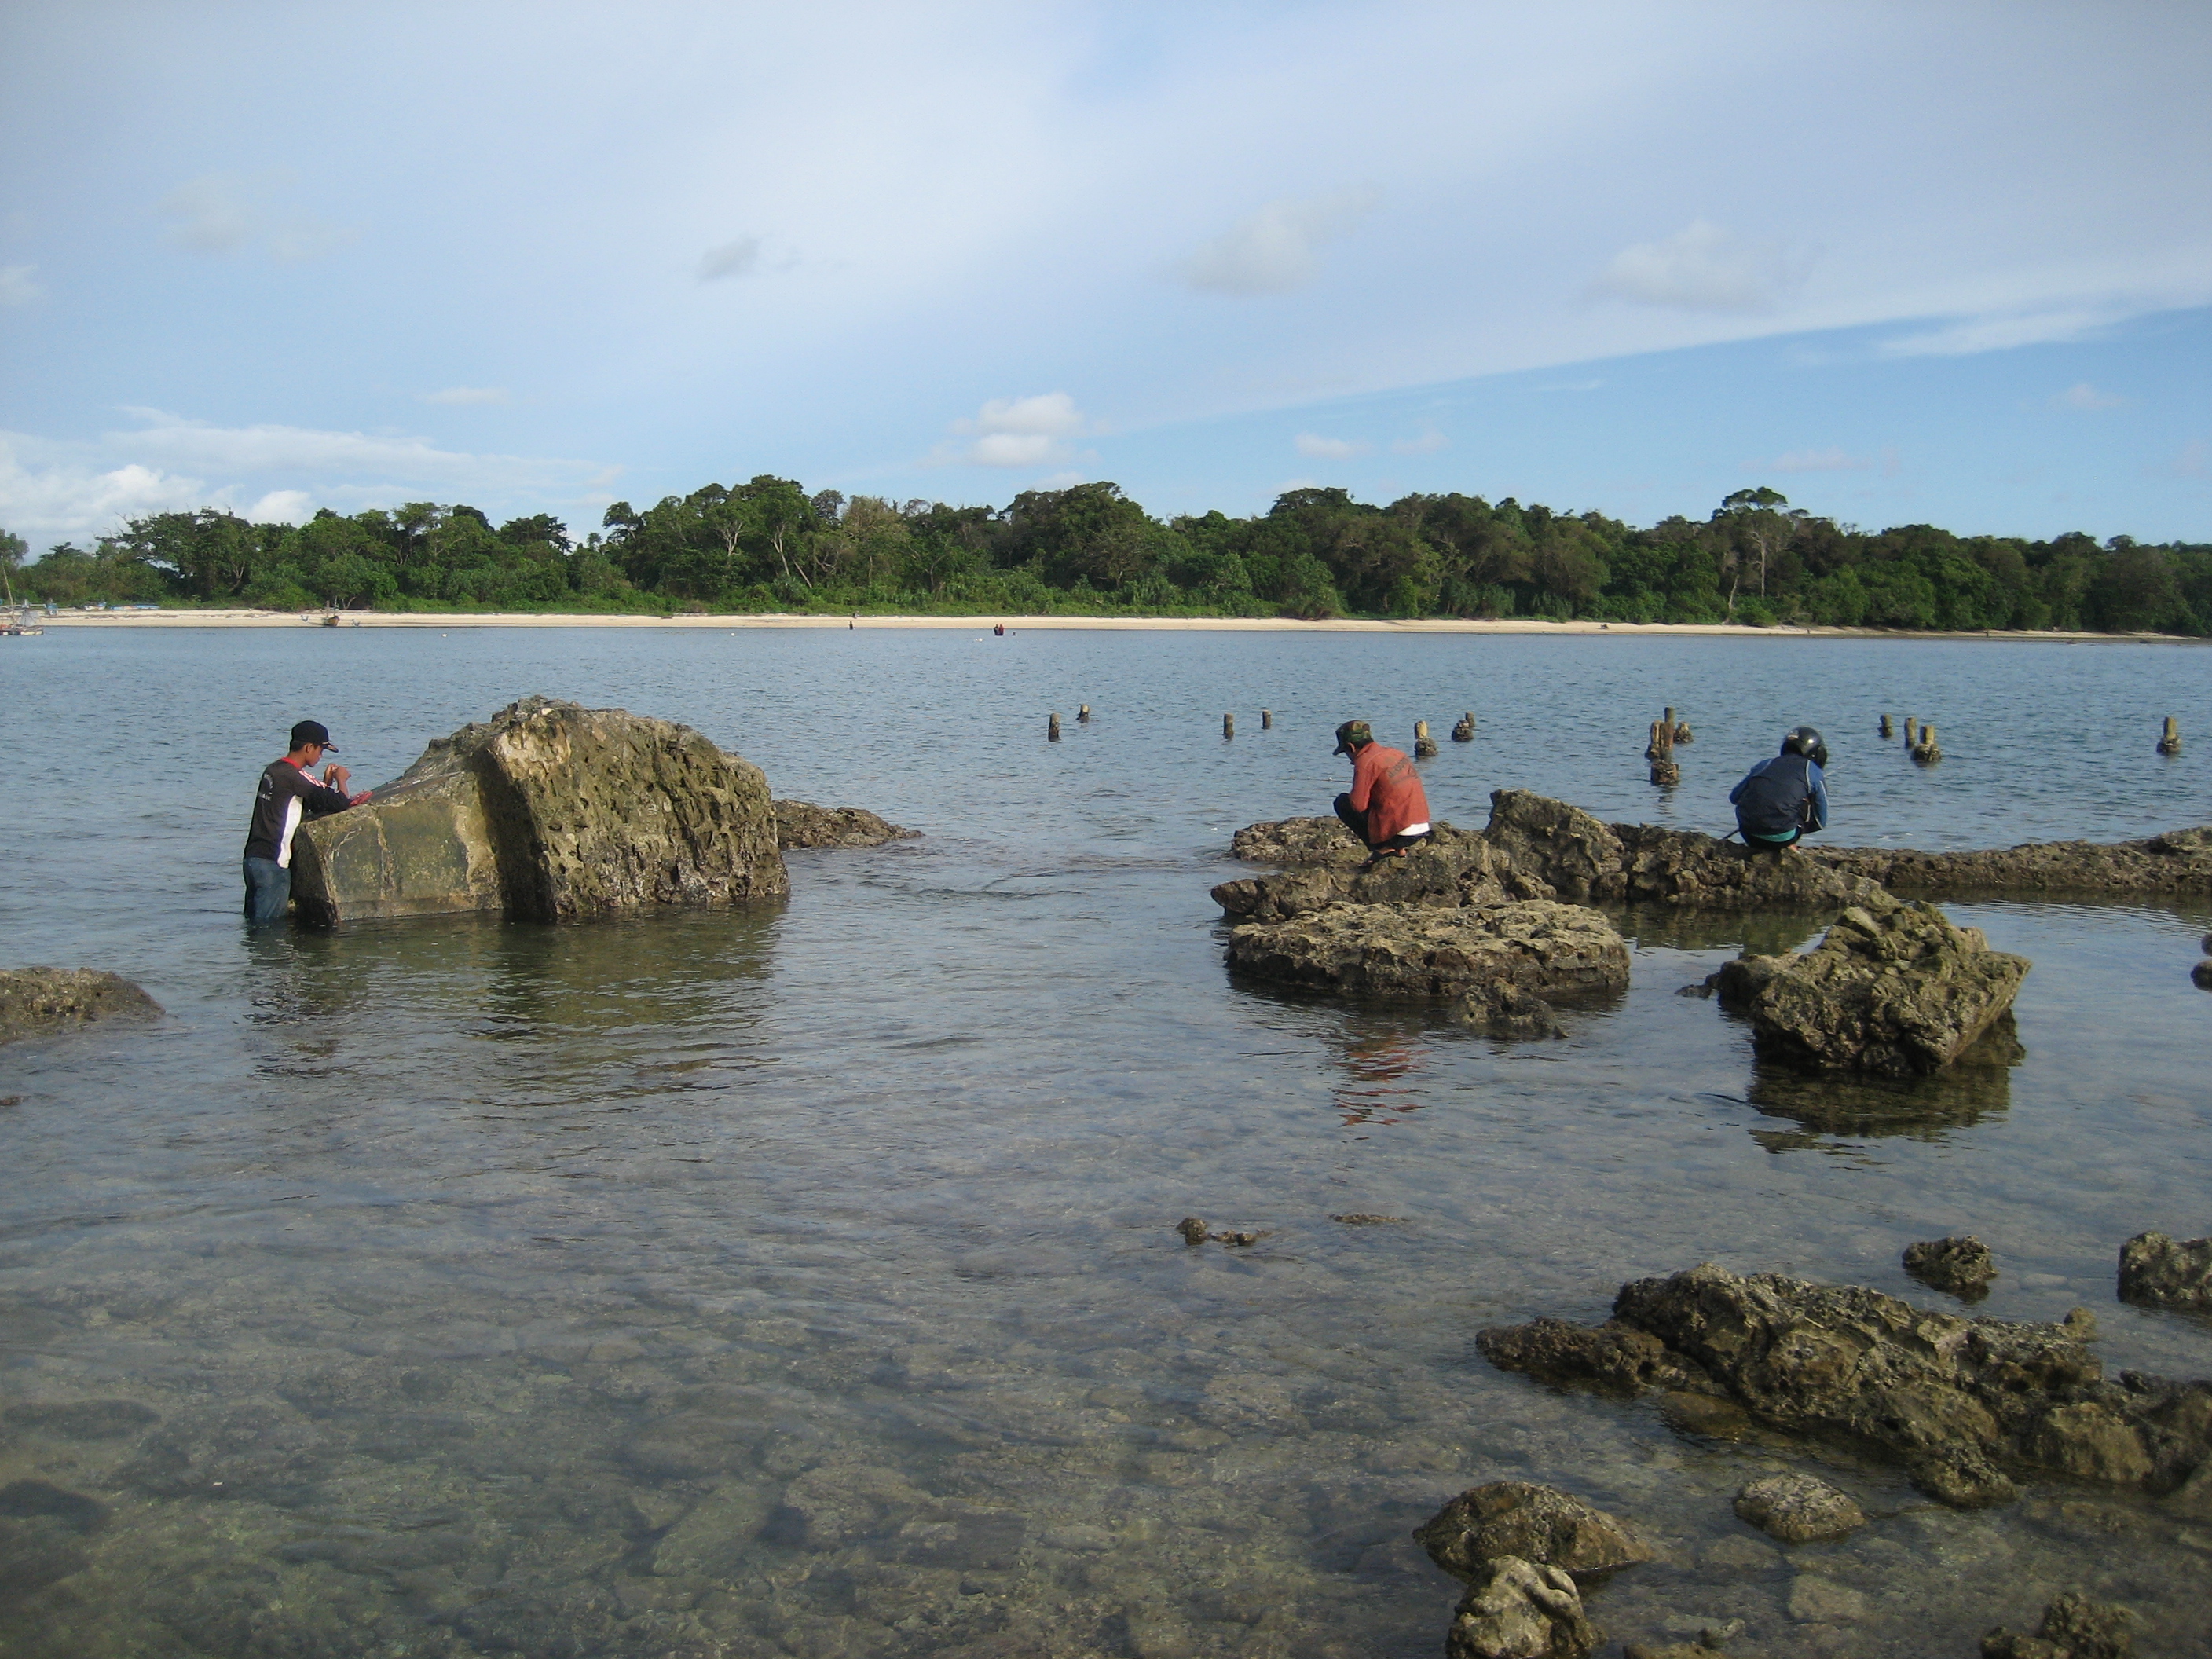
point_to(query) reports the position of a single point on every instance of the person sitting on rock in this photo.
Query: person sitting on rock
(288, 797)
(1386, 806)
(1783, 799)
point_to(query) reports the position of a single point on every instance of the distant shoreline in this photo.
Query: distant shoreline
(128, 619)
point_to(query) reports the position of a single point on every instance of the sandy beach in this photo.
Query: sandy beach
(448, 622)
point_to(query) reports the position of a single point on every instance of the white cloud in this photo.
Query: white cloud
(283, 507)
(2083, 396)
(1020, 432)
(1427, 444)
(16, 287)
(219, 213)
(1316, 447)
(59, 495)
(1703, 267)
(208, 215)
(1277, 248)
(2003, 333)
(462, 395)
(388, 457)
(737, 259)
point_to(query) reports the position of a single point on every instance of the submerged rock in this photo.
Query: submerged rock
(2159, 1272)
(1798, 1508)
(1520, 1610)
(548, 811)
(1541, 1524)
(2178, 861)
(2073, 1626)
(1382, 950)
(1962, 1265)
(1959, 1401)
(801, 825)
(1449, 870)
(1899, 992)
(38, 1002)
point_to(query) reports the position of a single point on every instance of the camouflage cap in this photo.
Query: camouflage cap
(1351, 735)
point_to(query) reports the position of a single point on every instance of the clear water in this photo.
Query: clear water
(801, 1280)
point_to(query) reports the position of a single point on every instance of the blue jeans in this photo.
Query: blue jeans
(268, 889)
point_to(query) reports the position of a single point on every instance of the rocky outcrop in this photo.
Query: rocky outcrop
(1293, 842)
(2158, 1272)
(1541, 1524)
(1898, 991)
(1548, 843)
(1960, 1402)
(1519, 1610)
(800, 826)
(40, 1001)
(1798, 1508)
(1962, 1265)
(2073, 1626)
(1450, 869)
(1532, 847)
(2178, 861)
(548, 811)
(1500, 958)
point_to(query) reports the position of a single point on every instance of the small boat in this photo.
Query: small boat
(17, 624)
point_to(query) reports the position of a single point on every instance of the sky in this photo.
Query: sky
(1931, 262)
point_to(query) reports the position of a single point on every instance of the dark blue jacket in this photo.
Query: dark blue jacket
(1776, 796)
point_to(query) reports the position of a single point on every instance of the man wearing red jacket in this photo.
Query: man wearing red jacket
(1386, 806)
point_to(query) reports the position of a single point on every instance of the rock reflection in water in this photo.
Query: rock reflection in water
(1976, 1086)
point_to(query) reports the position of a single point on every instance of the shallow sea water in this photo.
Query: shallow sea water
(802, 1280)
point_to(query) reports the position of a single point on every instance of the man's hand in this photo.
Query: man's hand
(335, 776)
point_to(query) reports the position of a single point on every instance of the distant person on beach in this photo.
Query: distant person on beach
(288, 797)
(1386, 806)
(1783, 799)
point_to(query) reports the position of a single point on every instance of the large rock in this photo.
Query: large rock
(800, 826)
(2075, 1626)
(1535, 947)
(2178, 861)
(548, 811)
(1798, 1508)
(1899, 993)
(1297, 841)
(2159, 1272)
(1520, 1610)
(1963, 1265)
(37, 1001)
(1541, 1524)
(1449, 870)
(1959, 1401)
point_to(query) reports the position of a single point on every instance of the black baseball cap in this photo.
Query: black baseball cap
(314, 731)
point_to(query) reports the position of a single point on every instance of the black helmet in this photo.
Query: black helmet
(1804, 740)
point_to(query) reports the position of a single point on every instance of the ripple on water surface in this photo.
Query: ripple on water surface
(802, 1280)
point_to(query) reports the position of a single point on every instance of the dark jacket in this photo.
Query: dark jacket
(1780, 798)
(287, 799)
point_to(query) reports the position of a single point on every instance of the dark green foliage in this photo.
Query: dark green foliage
(769, 545)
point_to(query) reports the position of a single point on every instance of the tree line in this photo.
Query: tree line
(769, 546)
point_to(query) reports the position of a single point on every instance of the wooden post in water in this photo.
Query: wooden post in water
(1925, 753)
(1464, 732)
(1267, 720)
(1083, 713)
(1052, 729)
(1229, 726)
(2169, 742)
(1908, 731)
(1424, 744)
(1888, 730)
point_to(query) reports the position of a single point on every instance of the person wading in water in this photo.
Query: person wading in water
(1783, 799)
(288, 797)
(1386, 806)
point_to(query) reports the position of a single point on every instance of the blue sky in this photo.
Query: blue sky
(1925, 262)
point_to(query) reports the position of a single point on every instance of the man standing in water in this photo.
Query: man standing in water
(288, 797)
(1386, 806)
(1785, 798)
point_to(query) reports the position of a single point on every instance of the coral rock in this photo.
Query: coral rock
(1540, 1524)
